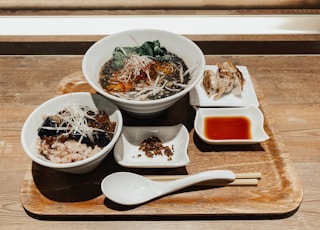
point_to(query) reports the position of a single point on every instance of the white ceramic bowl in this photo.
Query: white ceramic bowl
(252, 113)
(56, 104)
(101, 51)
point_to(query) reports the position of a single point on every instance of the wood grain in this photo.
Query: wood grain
(222, 46)
(279, 191)
(164, 4)
(289, 84)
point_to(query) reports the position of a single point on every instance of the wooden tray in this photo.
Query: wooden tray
(47, 194)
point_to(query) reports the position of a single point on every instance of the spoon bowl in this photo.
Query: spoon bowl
(131, 189)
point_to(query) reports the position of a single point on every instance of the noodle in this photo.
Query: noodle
(147, 72)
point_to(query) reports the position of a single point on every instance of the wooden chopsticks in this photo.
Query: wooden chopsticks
(242, 179)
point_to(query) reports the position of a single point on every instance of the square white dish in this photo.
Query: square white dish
(199, 98)
(253, 114)
(127, 153)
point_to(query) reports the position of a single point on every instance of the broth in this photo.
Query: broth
(148, 72)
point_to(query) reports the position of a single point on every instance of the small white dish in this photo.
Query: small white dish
(127, 153)
(252, 113)
(199, 97)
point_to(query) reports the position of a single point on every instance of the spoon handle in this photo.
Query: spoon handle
(171, 186)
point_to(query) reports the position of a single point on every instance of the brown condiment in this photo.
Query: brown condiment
(153, 146)
(226, 128)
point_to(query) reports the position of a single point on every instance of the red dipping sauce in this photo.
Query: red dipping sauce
(224, 128)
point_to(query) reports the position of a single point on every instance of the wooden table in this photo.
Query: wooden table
(290, 84)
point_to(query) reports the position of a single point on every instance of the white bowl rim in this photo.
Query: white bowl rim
(72, 164)
(251, 112)
(137, 102)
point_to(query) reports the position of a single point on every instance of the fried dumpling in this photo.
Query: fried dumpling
(227, 79)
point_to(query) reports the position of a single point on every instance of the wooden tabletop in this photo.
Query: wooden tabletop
(290, 84)
(164, 4)
(291, 89)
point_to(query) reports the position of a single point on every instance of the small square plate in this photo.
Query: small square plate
(127, 153)
(199, 97)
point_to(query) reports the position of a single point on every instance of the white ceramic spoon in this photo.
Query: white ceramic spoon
(131, 189)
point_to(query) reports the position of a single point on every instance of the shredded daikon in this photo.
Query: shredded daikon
(133, 67)
(74, 120)
(74, 133)
(143, 73)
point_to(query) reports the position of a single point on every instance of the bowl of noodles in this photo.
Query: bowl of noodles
(73, 132)
(143, 71)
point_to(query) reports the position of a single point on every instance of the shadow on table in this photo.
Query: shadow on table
(65, 187)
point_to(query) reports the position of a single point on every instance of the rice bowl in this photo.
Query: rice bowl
(29, 133)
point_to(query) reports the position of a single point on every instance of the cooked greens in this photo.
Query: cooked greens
(145, 72)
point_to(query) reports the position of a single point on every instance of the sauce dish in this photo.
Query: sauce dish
(252, 114)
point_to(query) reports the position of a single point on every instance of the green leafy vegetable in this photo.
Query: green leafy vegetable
(148, 48)
(119, 58)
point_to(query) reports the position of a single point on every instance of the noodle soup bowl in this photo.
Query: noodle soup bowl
(101, 51)
(30, 139)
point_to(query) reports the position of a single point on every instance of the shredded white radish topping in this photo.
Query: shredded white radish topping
(73, 119)
(144, 77)
(133, 67)
(136, 64)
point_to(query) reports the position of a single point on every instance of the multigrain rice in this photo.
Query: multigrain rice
(67, 152)
(74, 134)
